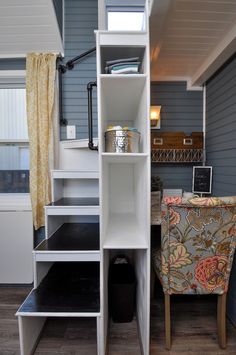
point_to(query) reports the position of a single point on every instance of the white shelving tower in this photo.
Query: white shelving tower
(125, 178)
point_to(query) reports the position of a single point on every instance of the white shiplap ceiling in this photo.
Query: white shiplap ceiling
(28, 26)
(191, 38)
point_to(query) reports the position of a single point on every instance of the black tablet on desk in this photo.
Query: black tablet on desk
(202, 179)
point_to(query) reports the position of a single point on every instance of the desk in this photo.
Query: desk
(155, 208)
(155, 228)
(155, 217)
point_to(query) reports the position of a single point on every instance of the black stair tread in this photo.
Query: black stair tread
(73, 236)
(76, 201)
(68, 287)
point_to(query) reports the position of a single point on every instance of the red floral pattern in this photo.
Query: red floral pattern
(210, 272)
(171, 200)
(232, 231)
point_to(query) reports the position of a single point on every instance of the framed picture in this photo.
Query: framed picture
(202, 179)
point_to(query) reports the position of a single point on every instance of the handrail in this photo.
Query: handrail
(62, 69)
(90, 86)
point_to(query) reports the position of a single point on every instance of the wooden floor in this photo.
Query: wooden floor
(194, 330)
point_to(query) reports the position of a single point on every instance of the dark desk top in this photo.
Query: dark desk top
(76, 201)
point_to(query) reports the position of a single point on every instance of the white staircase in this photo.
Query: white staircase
(67, 261)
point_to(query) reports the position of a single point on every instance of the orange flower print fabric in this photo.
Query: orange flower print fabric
(210, 272)
(174, 217)
(205, 201)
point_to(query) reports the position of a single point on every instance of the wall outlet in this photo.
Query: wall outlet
(70, 132)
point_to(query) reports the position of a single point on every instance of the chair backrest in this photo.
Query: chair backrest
(198, 244)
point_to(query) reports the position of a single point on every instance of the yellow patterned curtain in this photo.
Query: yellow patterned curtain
(40, 98)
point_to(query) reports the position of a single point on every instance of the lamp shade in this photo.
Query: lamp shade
(155, 117)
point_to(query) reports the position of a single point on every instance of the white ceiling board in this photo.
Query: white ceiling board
(14, 3)
(186, 6)
(28, 26)
(157, 22)
(19, 22)
(224, 50)
(24, 30)
(202, 17)
(28, 37)
(193, 34)
(23, 11)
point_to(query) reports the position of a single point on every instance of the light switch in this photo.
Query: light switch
(70, 132)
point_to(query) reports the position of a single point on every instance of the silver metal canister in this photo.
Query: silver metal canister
(122, 141)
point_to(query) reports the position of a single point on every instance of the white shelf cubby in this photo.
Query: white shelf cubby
(74, 183)
(125, 202)
(123, 101)
(121, 45)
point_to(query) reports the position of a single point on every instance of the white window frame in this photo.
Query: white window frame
(13, 79)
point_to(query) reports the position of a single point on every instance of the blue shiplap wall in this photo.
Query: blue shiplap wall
(221, 129)
(81, 19)
(221, 145)
(181, 110)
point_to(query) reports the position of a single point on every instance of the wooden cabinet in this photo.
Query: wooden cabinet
(177, 147)
(176, 140)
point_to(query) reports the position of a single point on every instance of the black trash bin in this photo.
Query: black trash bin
(122, 285)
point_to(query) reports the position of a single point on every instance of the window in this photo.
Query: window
(14, 146)
(125, 15)
(125, 19)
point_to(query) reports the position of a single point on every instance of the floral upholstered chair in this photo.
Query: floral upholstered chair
(197, 248)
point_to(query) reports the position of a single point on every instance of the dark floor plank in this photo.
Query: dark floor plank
(73, 236)
(123, 339)
(65, 336)
(10, 299)
(194, 330)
